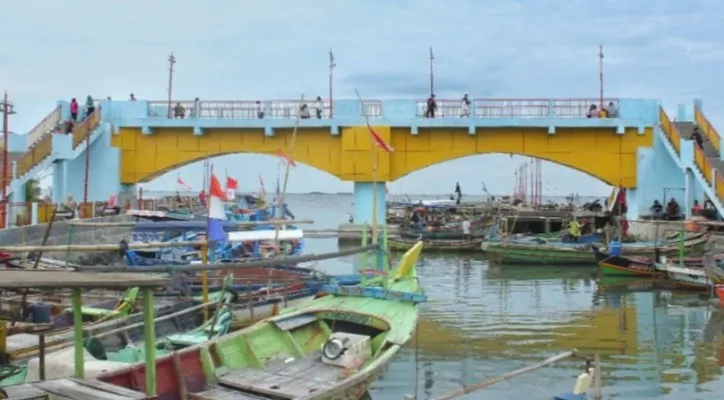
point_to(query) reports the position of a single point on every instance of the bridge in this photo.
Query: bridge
(135, 141)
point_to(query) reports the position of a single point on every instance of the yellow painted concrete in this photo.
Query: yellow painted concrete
(600, 153)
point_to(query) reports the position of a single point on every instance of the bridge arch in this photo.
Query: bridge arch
(347, 154)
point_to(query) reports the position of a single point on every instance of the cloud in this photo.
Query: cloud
(228, 49)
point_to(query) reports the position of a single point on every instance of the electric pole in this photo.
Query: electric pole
(8, 109)
(331, 83)
(171, 62)
(600, 72)
(432, 73)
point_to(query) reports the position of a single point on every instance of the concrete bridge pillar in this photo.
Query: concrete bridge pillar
(60, 181)
(689, 192)
(364, 193)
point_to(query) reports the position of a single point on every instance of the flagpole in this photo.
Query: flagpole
(205, 248)
(290, 155)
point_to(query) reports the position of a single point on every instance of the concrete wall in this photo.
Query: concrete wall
(62, 234)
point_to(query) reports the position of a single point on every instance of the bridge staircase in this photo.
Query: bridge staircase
(48, 144)
(706, 164)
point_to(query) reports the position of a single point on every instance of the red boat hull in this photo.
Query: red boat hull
(720, 294)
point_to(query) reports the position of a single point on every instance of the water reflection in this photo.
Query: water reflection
(484, 320)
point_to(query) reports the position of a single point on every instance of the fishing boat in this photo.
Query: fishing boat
(248, 244)
(25, 345)
(162, 215)
(564, 253)
(437, 245)
(334, 347)
(51, 311)
(119, 347)
(683, 277)
(451, 231)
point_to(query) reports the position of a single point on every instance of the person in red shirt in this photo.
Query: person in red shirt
(697, 209)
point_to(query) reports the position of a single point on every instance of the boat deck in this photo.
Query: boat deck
(70, 388)
(295, 379)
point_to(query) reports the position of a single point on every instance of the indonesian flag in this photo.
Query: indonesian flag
(181, 183)
(286, 158)
(231, 183)
(378, 140)
(217, 213)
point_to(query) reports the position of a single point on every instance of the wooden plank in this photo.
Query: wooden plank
(299, 378)
(287, 324)
(72, 390)
(107, 387)
(48, 279)
(25, 391)
(221, 393)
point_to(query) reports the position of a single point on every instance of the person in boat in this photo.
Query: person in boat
(466, 229)
(672, 210)
(657, 210)
(415, 219)
(458, 193)
(574, 230)
(697, 209)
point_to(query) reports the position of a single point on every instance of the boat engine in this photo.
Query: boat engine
(347, 350)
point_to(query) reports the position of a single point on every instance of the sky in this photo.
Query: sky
(242, 50)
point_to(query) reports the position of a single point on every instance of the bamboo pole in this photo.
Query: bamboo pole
(482, 385)
(99, 247)
(160, 269)
(290, 155)
(273, 222)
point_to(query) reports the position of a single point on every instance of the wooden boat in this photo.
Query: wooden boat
(623, 266)
(432, 246)
(453, 231)
(720, 294)
(561, 253)
(25, 345)
(685, 277)
(45, 311)
(334, 347)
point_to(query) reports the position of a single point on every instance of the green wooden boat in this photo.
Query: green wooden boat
(432, 246)
(121, 348)
(572, 254)
(333, 347)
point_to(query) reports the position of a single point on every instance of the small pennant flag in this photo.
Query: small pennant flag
(378, 140)
(231, 183)
(182, 184)
(286, 158)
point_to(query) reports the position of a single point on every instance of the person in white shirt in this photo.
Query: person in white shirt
(466, 229)
(465, 106)
(319, 107)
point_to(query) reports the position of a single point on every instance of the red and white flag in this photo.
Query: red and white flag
(379, 141)
(180, 183)
(231, 183)
(286, 158)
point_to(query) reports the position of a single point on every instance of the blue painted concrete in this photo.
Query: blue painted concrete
(659, 176)
(104, 176)
(363, 197)
(637, 113)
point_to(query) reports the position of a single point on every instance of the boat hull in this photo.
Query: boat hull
(528, 255)
(432, 246)
(720, 294)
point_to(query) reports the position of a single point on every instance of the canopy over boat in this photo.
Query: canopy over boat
(252, 236)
